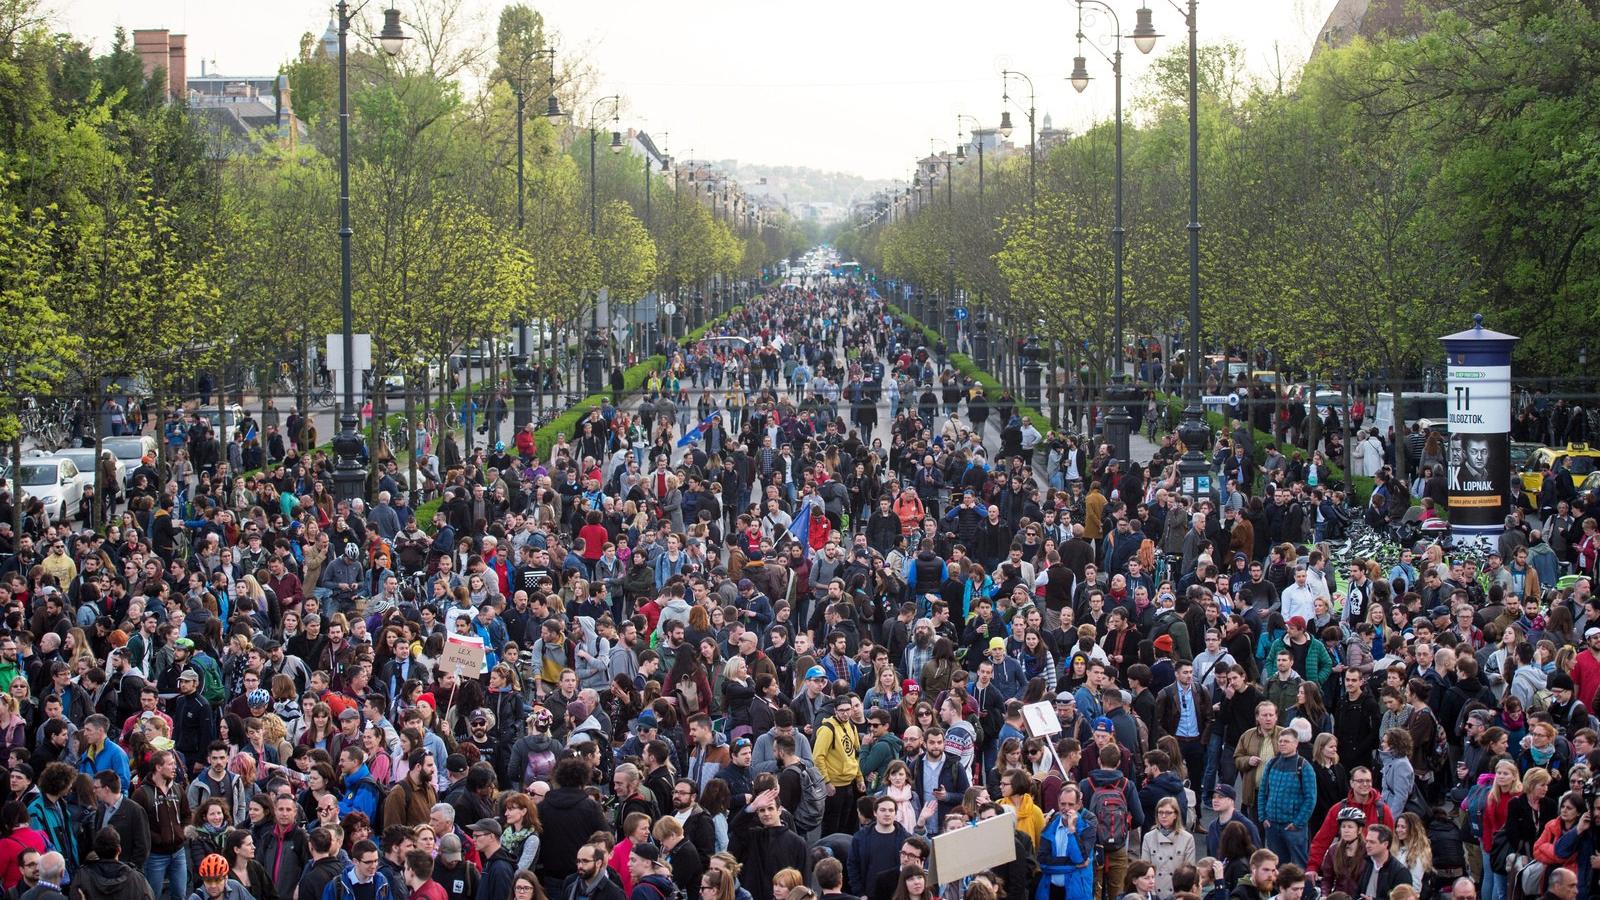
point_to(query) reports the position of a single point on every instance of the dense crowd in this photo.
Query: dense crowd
(811, 603)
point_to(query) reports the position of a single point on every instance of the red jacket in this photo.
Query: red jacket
(1494, 818)
(1544, 849)
(1377, 811)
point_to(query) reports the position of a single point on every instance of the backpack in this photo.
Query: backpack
(1112, 820)
(813, 793)
(538, 767)
(1477, 799)
(210, 679)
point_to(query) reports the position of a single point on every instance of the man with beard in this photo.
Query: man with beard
(696, 822)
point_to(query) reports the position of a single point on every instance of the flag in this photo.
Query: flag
(800, 528)
(250, 434)
(695, 433)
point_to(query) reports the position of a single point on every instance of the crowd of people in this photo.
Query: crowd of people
(813, 605)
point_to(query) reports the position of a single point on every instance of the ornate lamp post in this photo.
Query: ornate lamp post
(349, 475)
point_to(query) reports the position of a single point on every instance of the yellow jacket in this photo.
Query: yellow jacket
(1030, 820)
(836, 749)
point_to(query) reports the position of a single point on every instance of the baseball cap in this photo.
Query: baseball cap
(188, 675)
(485, 826)
(455, 762)
(1591, 631)
(478, 716)
(746, 584)
(1066, 697)
(1103, 724)
(647, 719)
(1226, 790)
(820, 672)
(647, 851)
(450, 847)
(183, 643)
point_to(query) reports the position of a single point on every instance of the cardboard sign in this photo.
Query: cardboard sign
(464, 654)
(1041, 719)
(968, 851)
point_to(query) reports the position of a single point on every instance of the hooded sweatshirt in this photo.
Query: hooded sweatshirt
(595, 671)
(108, 879)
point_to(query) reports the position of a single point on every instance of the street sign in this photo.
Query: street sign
(1216, 399)
(960, 313)
(669, 308)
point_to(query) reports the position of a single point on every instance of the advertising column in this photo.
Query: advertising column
(1478, 375)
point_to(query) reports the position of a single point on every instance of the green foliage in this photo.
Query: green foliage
(1352, 211)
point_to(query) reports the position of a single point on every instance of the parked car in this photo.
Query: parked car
(1583, 460)
(54, 480)
(130, 450)
(83, 458)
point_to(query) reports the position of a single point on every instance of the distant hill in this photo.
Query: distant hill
(796, 184)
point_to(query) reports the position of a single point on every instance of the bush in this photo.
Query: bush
(966, 366)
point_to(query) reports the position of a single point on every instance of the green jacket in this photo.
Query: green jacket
(1319, 662)
(9, 672)
(876, 757)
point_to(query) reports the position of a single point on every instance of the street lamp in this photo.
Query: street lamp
(1193, 431)
(1005, 124)
(979, 335)
(594, 360)
(349, 475)
(946, 321)
(1080, 81)
(522, 390)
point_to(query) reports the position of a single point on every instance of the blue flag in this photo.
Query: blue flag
(800, 529)
(694, 433)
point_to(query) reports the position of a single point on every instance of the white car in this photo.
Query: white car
(83, 458)
(130, 450)
(54, 480)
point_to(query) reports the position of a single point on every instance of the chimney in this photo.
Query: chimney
(178, 69)
(152, 46)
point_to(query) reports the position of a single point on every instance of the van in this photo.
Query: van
(1420, 405)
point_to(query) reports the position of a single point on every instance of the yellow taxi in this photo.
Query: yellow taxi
(1584, 460)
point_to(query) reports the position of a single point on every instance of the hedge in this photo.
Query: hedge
(1361, 486)
(633, 379)
(964, 364)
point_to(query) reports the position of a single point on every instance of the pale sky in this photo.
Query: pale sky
(857, 87)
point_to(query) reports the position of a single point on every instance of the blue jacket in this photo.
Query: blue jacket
(360, 794)
(1009, 679)
(1287, 792)
(343, 887)
(1067, 859)
(111, 758)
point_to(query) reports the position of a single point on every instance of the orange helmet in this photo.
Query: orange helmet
(214, 866)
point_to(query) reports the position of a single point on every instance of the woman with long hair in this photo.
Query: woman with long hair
(1341, 865)
(1167, 844)
(319, 728)
(1009, 757)
(635, 830)
(1507, 786)
(1571, 809)
(1309, 705)
(937, 671)
(1333, 780)
(716, 884)
(239, 848)
(17, 834)
(1399, 778)
(1037, 660)
(203, 835)
(525, 886)
(521, 836)
(911, 885)
(1234, 848)
(1412, 847)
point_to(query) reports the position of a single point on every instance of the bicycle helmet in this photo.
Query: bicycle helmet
(213, 867)
(499, 446)
(351, 551)
(1353, 814)
(259, 697)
